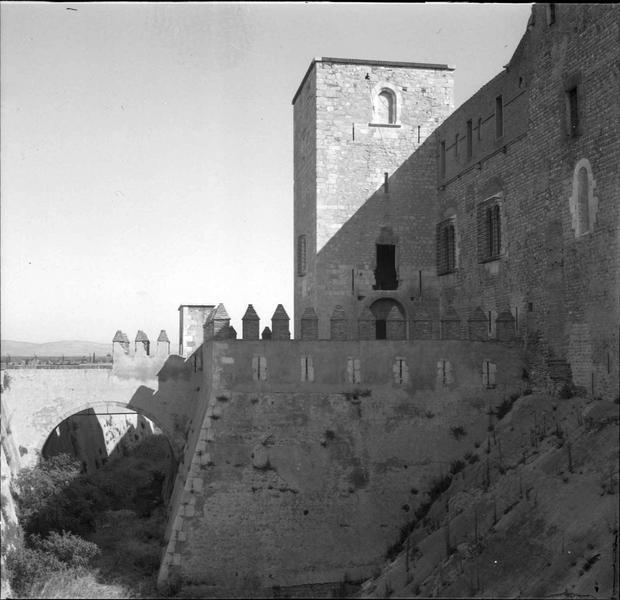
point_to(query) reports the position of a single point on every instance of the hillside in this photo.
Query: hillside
(62, 348)
(533, 513)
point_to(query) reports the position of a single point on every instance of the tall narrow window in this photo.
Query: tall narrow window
(469, 139)
(353, 370)
(489, 370)
(456, 145)
(446, 247)
(444, 372)
(573, 111)
(400, 370)
(385, 273)
(307, 368)
(494, 231)
(259, 368)
(385, 110)
(442, 159)
(479, 128)
(551, 13)
(499, 117)
(583, 204)
(489, 230)
(301, 255)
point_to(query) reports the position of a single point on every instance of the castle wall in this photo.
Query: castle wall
(561, 287)
(560, 283)
(297, 482)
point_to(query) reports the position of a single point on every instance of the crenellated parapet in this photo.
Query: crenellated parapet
(425, 323)
(138, 358)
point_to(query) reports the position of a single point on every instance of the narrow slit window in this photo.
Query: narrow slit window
(573, 111)
(301, 255)
(442, 159)
(469, 139)
(499, 117)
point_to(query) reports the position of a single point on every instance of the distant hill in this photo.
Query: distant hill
(63, 348)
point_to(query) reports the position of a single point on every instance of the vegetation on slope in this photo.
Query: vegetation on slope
(91, 536)
(532, 512)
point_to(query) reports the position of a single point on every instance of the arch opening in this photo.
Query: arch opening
(381, 309)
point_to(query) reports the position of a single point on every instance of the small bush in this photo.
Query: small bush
(67, 548)
(457, 432)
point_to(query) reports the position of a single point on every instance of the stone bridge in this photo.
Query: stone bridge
(36, 400)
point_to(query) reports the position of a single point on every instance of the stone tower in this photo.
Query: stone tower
(355, 123)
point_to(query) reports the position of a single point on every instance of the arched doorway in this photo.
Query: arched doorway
(380, 310)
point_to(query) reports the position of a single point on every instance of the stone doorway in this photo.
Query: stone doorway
(380, 310)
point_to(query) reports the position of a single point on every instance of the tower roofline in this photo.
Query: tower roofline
(378, 63)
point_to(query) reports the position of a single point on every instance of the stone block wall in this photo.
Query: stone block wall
(291, 482)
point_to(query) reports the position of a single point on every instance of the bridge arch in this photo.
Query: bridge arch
(38, 400)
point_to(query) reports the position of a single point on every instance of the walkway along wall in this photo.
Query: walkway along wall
(303, 454)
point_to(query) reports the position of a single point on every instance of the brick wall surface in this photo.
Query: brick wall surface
(562, 288)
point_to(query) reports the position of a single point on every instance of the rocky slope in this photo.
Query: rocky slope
(532, 513)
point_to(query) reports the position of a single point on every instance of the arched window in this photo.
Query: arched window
(583, 204)
(385, 107)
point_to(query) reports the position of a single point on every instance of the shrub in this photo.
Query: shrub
(75, 583)
(457, 432)
(66, 547)
(27, 566)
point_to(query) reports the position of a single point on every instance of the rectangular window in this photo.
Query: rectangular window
(353, 370)
(301, 255)
(444, 372)
(307, 369)
(442, 159)
(493, 227)
(489, 230)
(469, 139)
(456, 145)
(401, 374)
(446, 247)
(499, 117)
(550, 14)
(573, 111)
(479, 128)
(386, 277)
(259, 368)
(489, 370)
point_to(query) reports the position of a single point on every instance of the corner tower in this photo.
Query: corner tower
(355, 123)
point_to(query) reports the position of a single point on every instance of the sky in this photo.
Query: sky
(146, 149)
